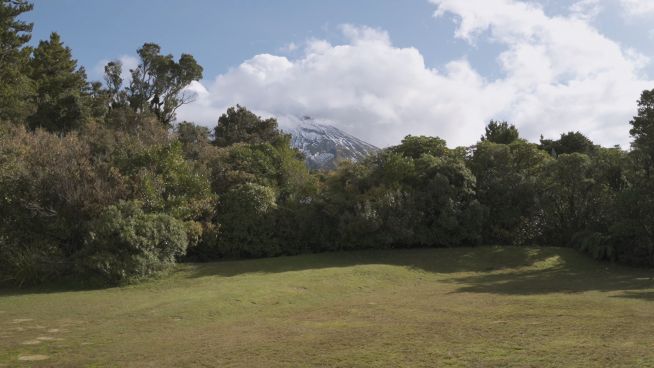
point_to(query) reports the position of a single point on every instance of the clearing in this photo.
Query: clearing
(462, 307)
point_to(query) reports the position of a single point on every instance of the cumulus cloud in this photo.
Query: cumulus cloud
(586, 9)
(558, 74)
(563, 74)
(367, 87)
(638, 8)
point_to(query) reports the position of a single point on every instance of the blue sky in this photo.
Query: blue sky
(440, 75)
(221, 34)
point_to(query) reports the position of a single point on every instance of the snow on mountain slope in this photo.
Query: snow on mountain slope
(325, 145)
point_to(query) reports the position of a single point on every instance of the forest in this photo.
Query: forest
(99, 182)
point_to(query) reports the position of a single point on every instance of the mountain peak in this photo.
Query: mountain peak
(324, 145)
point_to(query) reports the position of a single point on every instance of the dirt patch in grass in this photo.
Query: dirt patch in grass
(49, 338)
(22, 320)
(32, 358)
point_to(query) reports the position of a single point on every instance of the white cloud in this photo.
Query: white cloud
(289, 47)
(638, 8)
(367, 87)
(562, 73)
(128, 62)
(586, 9)
(559, 74)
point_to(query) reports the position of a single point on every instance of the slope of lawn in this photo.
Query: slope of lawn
(466, 307)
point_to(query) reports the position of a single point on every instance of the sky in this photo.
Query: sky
(384, 69)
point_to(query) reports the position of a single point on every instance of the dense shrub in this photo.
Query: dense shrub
(30, 263)
(125, 243)
(52, 186)
(403, 197)
(247, 222)
(632, 235)
(49, 189)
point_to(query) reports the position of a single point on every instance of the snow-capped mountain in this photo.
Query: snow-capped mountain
(325, 145)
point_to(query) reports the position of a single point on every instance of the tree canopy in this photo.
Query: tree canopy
(500, 132)
(60, 86)
(15, 87)
(98, 181)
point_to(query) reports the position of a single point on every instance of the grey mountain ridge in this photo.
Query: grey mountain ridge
(324, 146)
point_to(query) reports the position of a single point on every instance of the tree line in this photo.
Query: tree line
(98, 183)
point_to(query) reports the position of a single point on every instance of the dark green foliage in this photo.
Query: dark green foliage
(416, 194)
(569, 196)
(507, 187)
(158, 82)
(247, 224)
(126, 244)
(414, 147)
(194, 139)
(581, 202)
(52, 187)
(49, 188)
(14, 33)
(114, 81)
(500, 132)
(632, 233)
(265, 190)
(102, 186)
(60, 85)
(243, 163)
(239, 125)
(15, 85)
(642, 131)
(632, 230)
(571, 142)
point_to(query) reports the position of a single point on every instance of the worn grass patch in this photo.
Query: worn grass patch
(467, 307)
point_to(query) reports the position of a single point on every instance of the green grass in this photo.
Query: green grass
(467, 307)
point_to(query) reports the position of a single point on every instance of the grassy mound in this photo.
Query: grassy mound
(482, 307)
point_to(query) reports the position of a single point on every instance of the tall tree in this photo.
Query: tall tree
(15, 86)
(500, 132)
(60, 87)
(114, 81)
(158, 82)
(506, 182)
(642, 131)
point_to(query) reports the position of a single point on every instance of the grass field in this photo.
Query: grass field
(467, 307)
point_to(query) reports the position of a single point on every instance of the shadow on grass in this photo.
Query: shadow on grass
(571, 273)
(643, 295)
(68, 285)
(439, 260)
(436, 260)
(496, 270)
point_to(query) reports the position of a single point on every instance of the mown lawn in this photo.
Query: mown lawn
(467, 307)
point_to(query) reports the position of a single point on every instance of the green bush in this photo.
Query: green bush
(127, 244)
(30, 263)
(247, 222)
